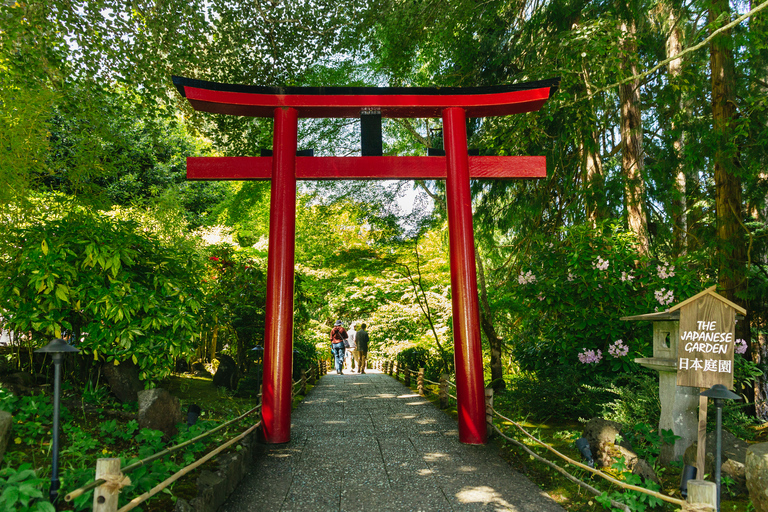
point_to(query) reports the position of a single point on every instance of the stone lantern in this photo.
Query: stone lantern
(679, 404)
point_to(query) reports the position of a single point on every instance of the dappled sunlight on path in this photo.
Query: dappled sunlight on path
(366, 442)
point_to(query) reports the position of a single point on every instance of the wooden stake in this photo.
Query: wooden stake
(702, 493)
(105, 496)
(701, 453)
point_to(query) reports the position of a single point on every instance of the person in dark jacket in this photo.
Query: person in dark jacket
(361, 339)
(338, 335)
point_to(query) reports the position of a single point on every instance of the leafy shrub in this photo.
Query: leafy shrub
(635, 399)
(559, 394)
(122, 292)
(423, 357)
(21, 490)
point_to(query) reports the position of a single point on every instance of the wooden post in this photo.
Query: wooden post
(702, 493)
(489, 411)
(443, 393)
(303, 387)
(407, 377)
(390, 367)
(105, 496)
(420, 382)
(701, 448)
(397, 371)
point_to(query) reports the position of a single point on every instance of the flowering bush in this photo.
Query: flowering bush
(572, 290)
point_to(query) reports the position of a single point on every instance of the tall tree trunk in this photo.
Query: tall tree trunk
(674, 69)
(632, 140)
(486, 323)
(731, 250)
(758, 28)
(594, 177)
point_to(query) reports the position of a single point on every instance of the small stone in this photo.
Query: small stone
(756, 472)
(159, 410)
(5, 431)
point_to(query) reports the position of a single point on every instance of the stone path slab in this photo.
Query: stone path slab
(366, 442)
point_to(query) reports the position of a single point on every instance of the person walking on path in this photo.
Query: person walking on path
(338, 335)
(361, 352)
(350, 346)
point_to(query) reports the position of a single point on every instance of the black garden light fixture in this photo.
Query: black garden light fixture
(582, 444)
(719, 393)
(57, 348)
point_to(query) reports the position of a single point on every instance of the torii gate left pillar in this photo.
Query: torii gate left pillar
(286, 105)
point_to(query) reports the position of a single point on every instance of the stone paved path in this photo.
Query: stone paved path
(366, 442)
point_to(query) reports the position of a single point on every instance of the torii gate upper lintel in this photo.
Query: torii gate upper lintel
(286, 105)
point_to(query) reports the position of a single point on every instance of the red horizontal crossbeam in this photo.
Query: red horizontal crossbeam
(365, 167)
(348, 102)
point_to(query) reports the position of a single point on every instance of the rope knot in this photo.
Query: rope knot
(113, 483)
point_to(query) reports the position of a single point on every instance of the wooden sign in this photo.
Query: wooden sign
(707, 336)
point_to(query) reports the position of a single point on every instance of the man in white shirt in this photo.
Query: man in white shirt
(351, 347)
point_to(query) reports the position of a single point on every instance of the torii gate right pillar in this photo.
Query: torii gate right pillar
(466, 318)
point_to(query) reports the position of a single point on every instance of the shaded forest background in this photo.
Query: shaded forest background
(656, 181)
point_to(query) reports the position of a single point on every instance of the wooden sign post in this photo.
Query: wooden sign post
(705, 351)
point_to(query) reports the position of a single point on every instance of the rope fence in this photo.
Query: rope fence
(110, 477)
(704, 490)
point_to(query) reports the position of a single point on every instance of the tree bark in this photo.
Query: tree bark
(674, 69)
(632, 141)
(486, 324)
(731, 250)
(758, 28)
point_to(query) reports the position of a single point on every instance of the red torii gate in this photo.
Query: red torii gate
(284, 168)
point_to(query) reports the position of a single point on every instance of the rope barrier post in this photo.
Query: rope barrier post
(397, 371)
(443, 391)
(407, 377)
(702, 492)
(303, 388)
(106, 495)
(489, 411)
(420, 382)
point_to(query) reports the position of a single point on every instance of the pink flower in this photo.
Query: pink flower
(665, 271)
(618, 349)
(601, 264)
(590, 356)
(526, 278)
(740, 347)
(664, 296)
